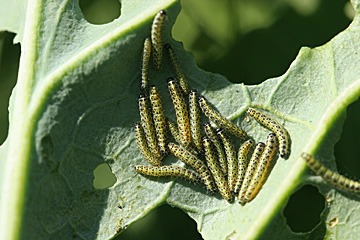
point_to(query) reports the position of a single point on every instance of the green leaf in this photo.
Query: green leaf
(75, 104)
(72, 75)
(12, 17)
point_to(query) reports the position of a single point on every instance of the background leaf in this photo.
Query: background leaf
(83, 104)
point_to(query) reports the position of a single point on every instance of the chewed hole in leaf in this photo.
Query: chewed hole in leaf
(100, 11)
(162, 223)
(103, 177)
(346, 150)
(303, 210)
(9, 60)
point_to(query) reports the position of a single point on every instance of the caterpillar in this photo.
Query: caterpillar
(216, 170)
(180, 75)
(220, 150)
(168, 171)
(230, 156)
(190, 159)
(159, 119)
(274, 126)
(145, 64)
(219, 120)
(254, 160)
(242, 163)
(148, 126)
(262, 168)
(156, 38)
(174, 131)
(181, 112)
(195, 119)
(143, 146)
(330, 176)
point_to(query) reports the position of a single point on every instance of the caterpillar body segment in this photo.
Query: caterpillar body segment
(156, 38)
(242, 161)
(219, 120)
(219, 148)
(281, 133)
(216, 170)
(159, 119)
(145, 64)
(174, 131)
(253, 163)
(190, 159)
(148, 126)
(262, 168)
(168, 171)
(181, 112)
(195, 119)
(230, 157)
(180, 75)
(143, 146)
(330, 176)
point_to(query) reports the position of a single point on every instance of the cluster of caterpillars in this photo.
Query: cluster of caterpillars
(224, 169)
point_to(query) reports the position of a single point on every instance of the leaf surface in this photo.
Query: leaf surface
(75, 104)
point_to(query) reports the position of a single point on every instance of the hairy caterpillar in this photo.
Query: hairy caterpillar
(220, 150)
(262, 168)
(230, 156)
(145, 64)
(274, 126)
(330, 176)
(143, 146)
(190, 159)
(168, 171)
(242, 163)
(181, 112)
(254, 160)
(216, 170)
(195, 119)
(174, 131)
(148, 126)
(220, 120)
(180, 75)
(159, 119)
(156, 39)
